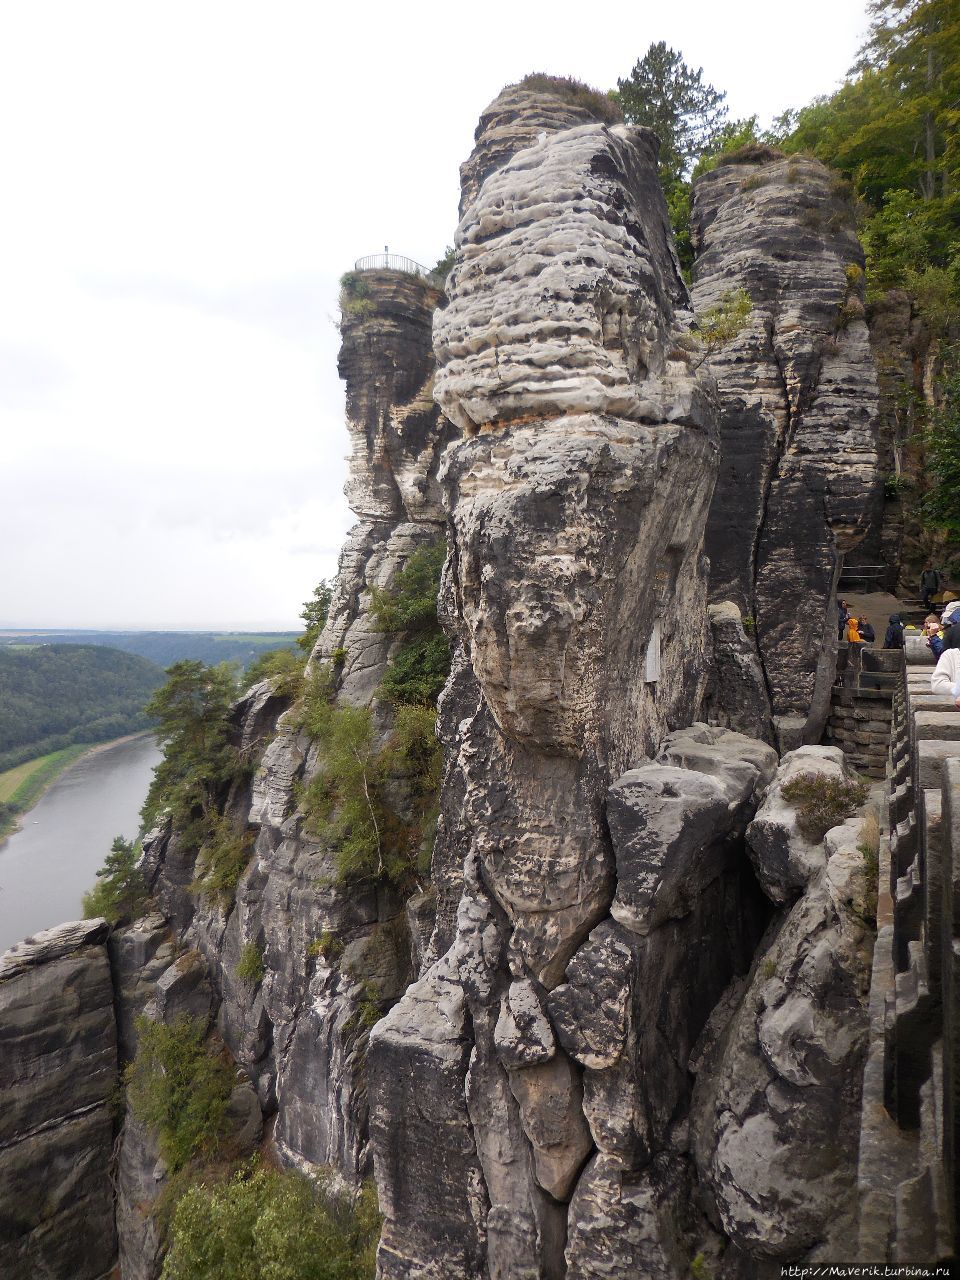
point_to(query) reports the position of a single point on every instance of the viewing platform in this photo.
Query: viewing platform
(396, 262)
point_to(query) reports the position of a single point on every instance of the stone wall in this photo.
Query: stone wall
(861, 706)
(909, 1136)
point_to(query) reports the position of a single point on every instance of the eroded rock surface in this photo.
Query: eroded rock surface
(799, 401)
(776, 1112)
(58, 1076)
(572, 570)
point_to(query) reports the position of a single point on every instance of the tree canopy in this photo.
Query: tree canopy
(666, 95)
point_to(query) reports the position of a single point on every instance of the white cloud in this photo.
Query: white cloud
(184, 184)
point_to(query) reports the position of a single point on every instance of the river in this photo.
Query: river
(47, 866)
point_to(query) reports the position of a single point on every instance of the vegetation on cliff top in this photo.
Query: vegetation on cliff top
(602, 106)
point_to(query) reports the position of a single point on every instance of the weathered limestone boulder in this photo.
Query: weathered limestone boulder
(58, 1076)
(776, 1111)
(798, 393)
(575, 598)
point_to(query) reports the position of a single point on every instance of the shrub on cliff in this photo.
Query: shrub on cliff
(222, 858)
(282, 667)
(602, 106)
(121, 891)
(268, 1225)
(178, 1088)
(314, 614)
(419, 668)
(822, 802)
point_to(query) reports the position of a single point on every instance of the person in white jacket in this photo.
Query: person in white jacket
(946, 676)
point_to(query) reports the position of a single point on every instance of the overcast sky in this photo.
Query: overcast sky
(183, 185)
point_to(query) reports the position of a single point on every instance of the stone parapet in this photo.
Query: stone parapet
(909, 1138)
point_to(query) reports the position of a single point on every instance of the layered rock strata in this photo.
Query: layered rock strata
(58, 1078)
(799, 400)
(575, 595)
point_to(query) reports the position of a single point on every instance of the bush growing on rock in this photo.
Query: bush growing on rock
(225, 851)
(250, 967)
(822, 802)
(268, 1225)
(418, 670)
(282, 667)
(178, 1088)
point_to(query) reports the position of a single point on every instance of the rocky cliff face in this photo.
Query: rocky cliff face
(624, 1025)
(327, 947)
(559, 356)
(58, 1075)
(798, 394)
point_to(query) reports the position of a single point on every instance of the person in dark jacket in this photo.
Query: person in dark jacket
(929, 584)
(843, 616)
(867, 633)
(894, 637)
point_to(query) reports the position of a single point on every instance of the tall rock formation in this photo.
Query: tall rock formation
(798, 394)
(575, 594)
(327, 946)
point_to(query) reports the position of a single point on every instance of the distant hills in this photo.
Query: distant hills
(165, 647)
(55, 695)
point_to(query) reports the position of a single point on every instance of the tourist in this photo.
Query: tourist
(867, 633)
(931, 629)
(853, 632)
(946, 675)
(894, 635)
(843, 613)
(929, 584)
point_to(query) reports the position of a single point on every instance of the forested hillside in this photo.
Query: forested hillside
(166, 647)
(53, 696)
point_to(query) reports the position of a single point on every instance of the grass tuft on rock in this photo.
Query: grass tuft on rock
(822, 802)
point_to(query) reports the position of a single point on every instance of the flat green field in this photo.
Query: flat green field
(22, 786)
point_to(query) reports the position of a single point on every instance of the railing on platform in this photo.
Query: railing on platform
(395, 262)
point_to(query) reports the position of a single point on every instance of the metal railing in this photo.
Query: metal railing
(394, 262)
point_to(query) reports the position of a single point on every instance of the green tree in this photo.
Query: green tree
(669, 97)
(179, 1088)
(193, 714)
(941, 505)
(314, 614)
(267, 1225)
(121, 890)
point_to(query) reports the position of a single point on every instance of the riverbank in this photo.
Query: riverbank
(23, 786)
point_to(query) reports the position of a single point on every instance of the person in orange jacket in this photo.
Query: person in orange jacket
(853, 632)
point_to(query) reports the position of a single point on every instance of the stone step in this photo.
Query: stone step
(930, 756)
(941, 725)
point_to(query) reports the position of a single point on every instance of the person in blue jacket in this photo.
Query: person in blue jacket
(894, 636)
